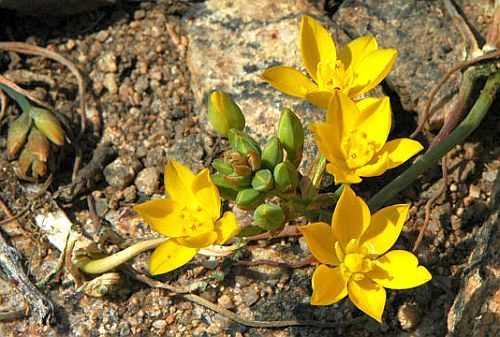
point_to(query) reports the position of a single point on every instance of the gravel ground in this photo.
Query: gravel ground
(140, 102)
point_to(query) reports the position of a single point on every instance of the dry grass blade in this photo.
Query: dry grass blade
(3, 108)
(8, 83)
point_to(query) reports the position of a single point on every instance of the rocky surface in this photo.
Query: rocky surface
(147, 91)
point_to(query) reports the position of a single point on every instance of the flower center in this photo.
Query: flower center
(354, 260)
(357, 149)
(195, 220)
(333, 76)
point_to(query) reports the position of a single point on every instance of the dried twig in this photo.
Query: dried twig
(430, 202)
(293, 265)
(58, 267)
(3, 108)
(11, 264)
(237, 318)
(13, 315)
(427, 113)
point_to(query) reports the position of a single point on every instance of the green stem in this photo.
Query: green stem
(19, 98)
(457, 136)
(110, 262)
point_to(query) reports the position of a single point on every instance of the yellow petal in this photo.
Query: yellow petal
(316, 45)
(371, 70)
(374, 168)
(289, 81)
(321, 242)
(342, 174)
(207, 194)
(169, 256)
(385, 227)
(327, 137)
(375, 120)
(162, 215)
(198, 240)
(400, 150)
(344, 113)
(178, 182)
(356, 50)
(368, 296)
(226, 227)
(399, 269)
(319, 98)
(328, 286)
(350, 218)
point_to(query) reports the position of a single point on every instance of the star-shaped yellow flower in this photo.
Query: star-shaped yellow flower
(191, 218)
(354, 139)
(354, 256)
(359, 67)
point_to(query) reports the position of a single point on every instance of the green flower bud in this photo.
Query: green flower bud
(272, 153)
(18, 132)
(249, 198)
(238, 181)
(249, 231)
(48, 124)
(224, 113)
(222, 166)
(243, 143)
(291, 135)
(226, 190)
(269, 217)
(263, 180)
(286, 177)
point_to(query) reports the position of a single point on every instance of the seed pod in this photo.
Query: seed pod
(48, 124)
(249, 198)
(18, 132)
(291, 135)
(243, 143)
(222, 166)
(272, 153)
(286, 177)
(269, 217)
(224, 113)
(263, 180)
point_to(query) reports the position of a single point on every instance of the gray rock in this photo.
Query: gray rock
(232, 42)
(121, 172)
(428, 42)
(148, 180)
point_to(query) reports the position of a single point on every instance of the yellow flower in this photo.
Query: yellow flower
(191, 218)
(354, 258)
(354, 139)
(359, 67)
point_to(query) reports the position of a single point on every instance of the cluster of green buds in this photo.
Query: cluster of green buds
(252, 176)
(29, 136)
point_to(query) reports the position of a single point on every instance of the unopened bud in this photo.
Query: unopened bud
(249, 198)
(48, 124)
(286, 177)
(263, 180)
(238, 181)
(222, 166)
(242, 170)
(242, 142)
(226, 190)
(272, 153)
(224, 113)
(291, 135)
(269, 217)
(18, 132)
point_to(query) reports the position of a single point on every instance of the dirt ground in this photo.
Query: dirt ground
(140, 103)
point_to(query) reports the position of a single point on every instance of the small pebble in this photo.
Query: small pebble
(408, 316)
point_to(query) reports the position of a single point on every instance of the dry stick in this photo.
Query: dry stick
(237, 318)
(427, 113)
(12, 315)
(10, 263)
(8, 83)
(428, 204)
(29, 49)
(293, 265)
